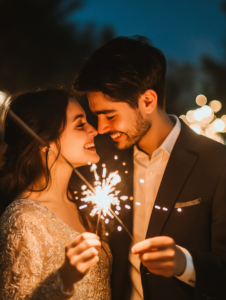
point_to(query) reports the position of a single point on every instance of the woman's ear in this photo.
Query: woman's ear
(48, 149)
(44, 149)
(148, 101)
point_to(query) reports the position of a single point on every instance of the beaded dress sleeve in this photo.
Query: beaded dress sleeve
(32, 249)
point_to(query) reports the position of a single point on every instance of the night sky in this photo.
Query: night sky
(183, 29)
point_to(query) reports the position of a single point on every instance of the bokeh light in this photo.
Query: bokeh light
(201, 100)
(3, 97)
(215, 105)
(203, 120)
(196, 128)
(219, 125)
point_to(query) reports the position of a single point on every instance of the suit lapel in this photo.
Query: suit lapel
(180, 165)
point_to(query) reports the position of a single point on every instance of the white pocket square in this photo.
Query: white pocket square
(188, 203)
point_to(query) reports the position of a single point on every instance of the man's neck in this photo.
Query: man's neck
(161, 126)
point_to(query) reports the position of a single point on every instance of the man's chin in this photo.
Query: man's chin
(122, 146)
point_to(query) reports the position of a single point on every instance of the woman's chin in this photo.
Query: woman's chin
(90, 160)
(95, 159)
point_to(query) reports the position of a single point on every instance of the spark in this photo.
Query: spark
(179, 209)
(138, 203)
(164, 208)
(116, 157)
(119, 228)
(141, 180)
(158, 207)
(82, 206)
(127, 206)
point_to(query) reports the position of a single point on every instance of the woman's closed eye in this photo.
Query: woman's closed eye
(80, 126)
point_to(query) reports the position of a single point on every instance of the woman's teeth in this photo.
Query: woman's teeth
(90, 145)
(115, 135)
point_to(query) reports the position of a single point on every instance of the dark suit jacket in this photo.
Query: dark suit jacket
(196, 170)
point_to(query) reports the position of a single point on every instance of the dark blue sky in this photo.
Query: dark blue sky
(182, 29)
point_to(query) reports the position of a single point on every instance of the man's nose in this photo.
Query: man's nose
(103, 125)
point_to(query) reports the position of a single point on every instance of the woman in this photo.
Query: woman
(47, 248)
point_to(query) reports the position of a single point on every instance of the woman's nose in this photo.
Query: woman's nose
(92, 131)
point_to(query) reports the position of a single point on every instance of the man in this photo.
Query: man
(179, 228)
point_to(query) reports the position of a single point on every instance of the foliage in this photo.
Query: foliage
(39, 48)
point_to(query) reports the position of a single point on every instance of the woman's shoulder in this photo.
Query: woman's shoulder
(21, 212)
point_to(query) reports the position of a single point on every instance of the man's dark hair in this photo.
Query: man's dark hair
(124, 68)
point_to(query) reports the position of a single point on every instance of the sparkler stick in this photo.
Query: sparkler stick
(119, 220)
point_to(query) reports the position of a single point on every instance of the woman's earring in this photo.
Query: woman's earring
(50, 152)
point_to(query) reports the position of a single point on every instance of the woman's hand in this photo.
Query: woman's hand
(80, 256)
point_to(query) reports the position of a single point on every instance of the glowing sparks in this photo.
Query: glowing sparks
(116, 157)
(138, 203)
(105, 194)
(126, 172)
(141, 180)
(119, 228)
(179, 209)
(165, 208)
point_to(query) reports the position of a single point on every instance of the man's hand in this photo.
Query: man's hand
(161, 256)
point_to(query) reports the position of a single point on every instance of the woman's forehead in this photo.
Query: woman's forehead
(73, 109)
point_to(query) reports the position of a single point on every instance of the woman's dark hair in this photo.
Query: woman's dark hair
(124, 68)
(45, 113)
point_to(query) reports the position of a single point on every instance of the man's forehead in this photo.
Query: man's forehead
(98, 102)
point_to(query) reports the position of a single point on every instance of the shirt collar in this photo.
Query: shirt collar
(169, 142)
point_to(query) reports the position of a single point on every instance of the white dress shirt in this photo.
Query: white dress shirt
(147, 177)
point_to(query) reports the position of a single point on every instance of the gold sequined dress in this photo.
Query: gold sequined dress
(32, 249)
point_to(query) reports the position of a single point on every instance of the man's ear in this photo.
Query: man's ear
(148, 101)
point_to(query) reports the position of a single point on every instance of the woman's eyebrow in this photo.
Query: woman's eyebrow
(78, 116)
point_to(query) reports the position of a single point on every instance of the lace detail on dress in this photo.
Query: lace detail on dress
(32, 249)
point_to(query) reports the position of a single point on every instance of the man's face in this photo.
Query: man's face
(125, 125)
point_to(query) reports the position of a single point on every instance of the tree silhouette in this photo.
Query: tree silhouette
(39, 48)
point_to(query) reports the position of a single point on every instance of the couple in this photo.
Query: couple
(48, 248)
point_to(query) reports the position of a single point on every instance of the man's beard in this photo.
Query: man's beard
(139, 129)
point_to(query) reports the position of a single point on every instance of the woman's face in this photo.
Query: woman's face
(77, 139)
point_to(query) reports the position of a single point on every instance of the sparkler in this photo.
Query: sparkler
(102, 196)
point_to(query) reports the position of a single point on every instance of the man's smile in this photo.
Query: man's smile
(116, 136)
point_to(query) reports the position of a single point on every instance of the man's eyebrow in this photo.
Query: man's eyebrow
(78, 116)
(104, 112)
